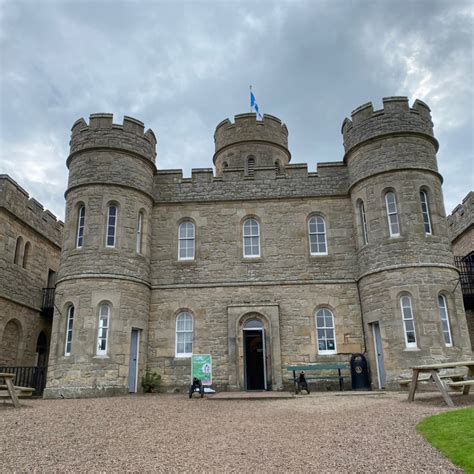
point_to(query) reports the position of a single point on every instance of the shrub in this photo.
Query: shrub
(151, 381)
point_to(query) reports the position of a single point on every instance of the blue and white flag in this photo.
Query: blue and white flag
(254, 106)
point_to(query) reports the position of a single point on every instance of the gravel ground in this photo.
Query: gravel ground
(317, 433)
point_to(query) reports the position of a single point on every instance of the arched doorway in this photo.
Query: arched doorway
(42, 350)
(255, 354)
(10, 343)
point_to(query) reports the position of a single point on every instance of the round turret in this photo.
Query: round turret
(402, 235)
(105, 264)
(263, 142)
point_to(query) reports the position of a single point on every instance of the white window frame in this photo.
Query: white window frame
(69, 326)
(325, 312)
(104, 315)
(81, 219)
(392, 211)
(251, 235)
(317, 234)
(425, 211)
(182, 315)
(363, 221)
(444, 316)
(113, 226)
(139, 247)
(187, 238)
(405, 319)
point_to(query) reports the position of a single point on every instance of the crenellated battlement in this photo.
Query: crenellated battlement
(462, 216)
(396, 117)
(103, 133)
(246, 128)
(17, 201)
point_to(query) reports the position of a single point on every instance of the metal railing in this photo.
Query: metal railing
(33, 377)
(47, 306)
(465, 266)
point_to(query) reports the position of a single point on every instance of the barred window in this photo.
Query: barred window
(186, 241)
(317, 236)
(251, 233)
(184, 335)
(326, 333)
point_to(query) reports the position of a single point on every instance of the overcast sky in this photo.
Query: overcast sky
(182, 67)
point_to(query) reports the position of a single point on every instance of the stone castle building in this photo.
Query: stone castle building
(262, 264)
(30, 248)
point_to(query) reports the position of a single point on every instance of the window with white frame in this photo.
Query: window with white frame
(186, 240)
(112, 216)
(425, 210)
(184, 335)
(443, 314)
(326, 333)
(69, 324)
(363, 223)
(317, 236)
(392, 214)
(408, 321)
(81, 218)
(140, 232)
(251, 233)
(103, 332)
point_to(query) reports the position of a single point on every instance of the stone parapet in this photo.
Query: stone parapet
(462, 217)
(396, 117)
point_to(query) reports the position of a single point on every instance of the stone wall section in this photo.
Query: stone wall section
(461, 226)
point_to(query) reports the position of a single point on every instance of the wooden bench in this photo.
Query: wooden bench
(318, 368)
(8, 390)
(427, 378)
(20, 391)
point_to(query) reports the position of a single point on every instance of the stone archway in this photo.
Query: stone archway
(10, 343)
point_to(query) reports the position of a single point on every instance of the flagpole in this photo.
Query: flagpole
(250, 97)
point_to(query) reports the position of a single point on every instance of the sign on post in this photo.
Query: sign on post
(201, 368)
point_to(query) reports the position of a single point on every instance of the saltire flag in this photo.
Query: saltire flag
(254, 106)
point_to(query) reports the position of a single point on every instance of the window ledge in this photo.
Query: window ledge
(252, 259)
(99, 356)
(186, 262)
(327, 353)
(183, 356)
(411, 349)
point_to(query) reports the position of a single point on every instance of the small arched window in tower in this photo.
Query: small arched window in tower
(18, 250)
(278, 168)
(392, 214)
(184, 335)
(445, 326)
(26, 254)
(69, 325)
(317, 236)
(425, 210)
(81, 218)
(103, 331)
(225, 165)
(112, 215)
(408, 321)
(326, 332)
(250, 166)
(251, 233)
(363, 223)
(140, 232)
(186, 240)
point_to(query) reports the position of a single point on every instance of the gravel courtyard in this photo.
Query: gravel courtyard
(323, 432)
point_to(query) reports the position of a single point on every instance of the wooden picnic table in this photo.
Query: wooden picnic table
(434, 369)
(8, 381)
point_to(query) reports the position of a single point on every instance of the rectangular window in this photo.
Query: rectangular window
(251, 232)
(408, 321)
(317, 236)
(445, 326)
(184, 335)
(363, 221)
(392, 214)
(139, 232)
(425, 210)
(69, 324)
(186, 241)
(103, 329)
(80, 227)
(325, 331)
(111, 226)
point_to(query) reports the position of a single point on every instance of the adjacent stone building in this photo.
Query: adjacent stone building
(30, 248)
(260, 264)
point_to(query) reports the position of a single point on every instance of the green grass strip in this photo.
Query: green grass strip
(453, 434)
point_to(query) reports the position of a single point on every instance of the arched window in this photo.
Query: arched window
(250, 166)
(326, 333)
(317, 236)
(69, 324)
(18, 249)
(363, 223)
(392, 214)
(81, 218)
(112, 215)
(251, 233)
(443, 314)
(184, 335)
(140, 232)
(26, 254)
(186, 240)
(408, 321)
(425, 210)
(103, 332)
(225, 165)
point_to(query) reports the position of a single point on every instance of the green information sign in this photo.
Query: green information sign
(201, 367)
